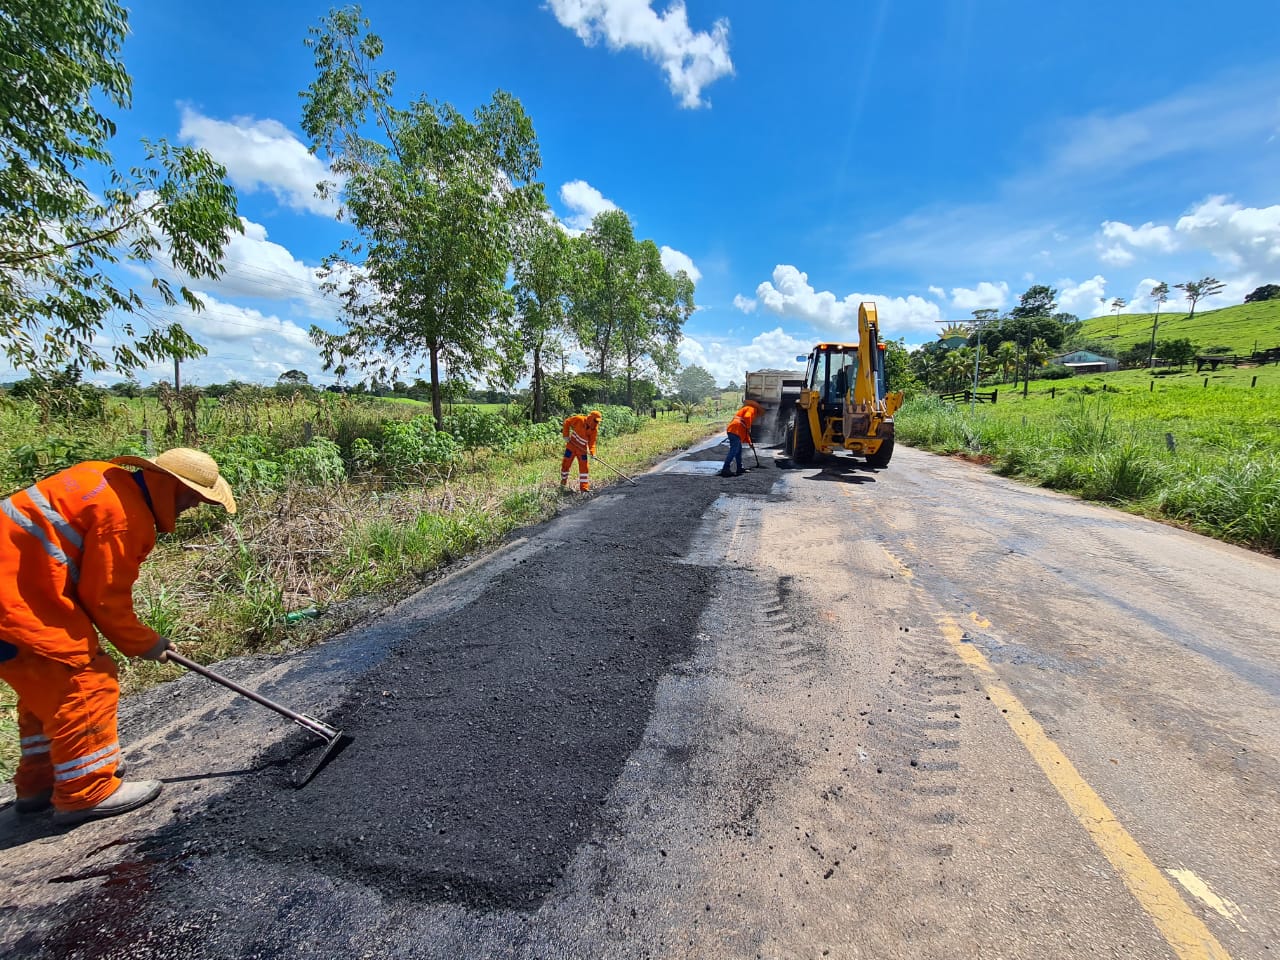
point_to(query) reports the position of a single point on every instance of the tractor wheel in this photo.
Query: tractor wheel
(880, 459)
(800, 438)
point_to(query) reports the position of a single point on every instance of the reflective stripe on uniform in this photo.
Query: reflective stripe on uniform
(34, 745)
(90, 763)
(573, 435)
(60, 524)
(56, 519)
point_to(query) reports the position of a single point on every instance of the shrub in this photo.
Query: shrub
(319, 463)
(416, 446)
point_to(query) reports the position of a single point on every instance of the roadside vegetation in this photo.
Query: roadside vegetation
(1166, 446)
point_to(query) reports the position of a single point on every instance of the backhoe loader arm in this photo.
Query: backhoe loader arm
(864, 387)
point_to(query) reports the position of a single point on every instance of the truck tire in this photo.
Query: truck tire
(800, 438)
(880, 459)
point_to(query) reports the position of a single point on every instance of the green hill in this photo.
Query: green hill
(1241, 328)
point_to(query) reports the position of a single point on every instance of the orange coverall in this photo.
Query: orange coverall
(579, 434)
(70, 551)
(739, 431)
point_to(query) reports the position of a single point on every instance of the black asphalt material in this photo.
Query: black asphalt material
(486, 742)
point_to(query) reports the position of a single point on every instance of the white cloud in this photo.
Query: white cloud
(691, 60)
(261, 155)
(1244, 238)
(1204, 118)
(1088, 298)
(790, 295)
(937, 292)
(745, 304)
(584, 202)
(226, 323)
(257, 267)
(1146, 237)
(985, 296)
(673, 260)
(1085, 160)
(729, 362)
(1116, 256)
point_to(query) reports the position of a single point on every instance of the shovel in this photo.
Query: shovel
(335, 740)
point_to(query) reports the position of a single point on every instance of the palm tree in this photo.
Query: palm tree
(1007, 357)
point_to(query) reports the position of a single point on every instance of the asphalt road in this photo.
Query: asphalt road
(918, 712)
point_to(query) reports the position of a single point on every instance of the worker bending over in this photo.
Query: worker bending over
(70, 551)
(739, 431)
(579, 441)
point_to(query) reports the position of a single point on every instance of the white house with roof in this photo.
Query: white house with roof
(1086, 361)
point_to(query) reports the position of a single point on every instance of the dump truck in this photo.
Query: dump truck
(776, 391)
(842, 402)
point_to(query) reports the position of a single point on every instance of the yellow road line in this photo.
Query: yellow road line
(1184, 931)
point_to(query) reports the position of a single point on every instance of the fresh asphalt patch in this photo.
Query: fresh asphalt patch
(487, 735)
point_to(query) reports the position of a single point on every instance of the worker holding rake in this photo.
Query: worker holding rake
(70, 551)
(739, 431)
(579, 441)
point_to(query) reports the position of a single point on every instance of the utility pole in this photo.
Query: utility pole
(177, 374)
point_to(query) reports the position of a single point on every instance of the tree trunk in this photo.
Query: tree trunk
(437, 408)
(537, 383)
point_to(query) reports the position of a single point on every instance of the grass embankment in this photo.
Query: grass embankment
(222, 587)
(1169, 447)
(1242, 328)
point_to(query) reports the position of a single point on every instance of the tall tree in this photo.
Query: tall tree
(61, 64)
(650, 333)
(605, 285)
(433, 197)
(1032, 318)
(541, 291)
(1160, 294)
(1197, 290)
(694, 384)
(1118, 304)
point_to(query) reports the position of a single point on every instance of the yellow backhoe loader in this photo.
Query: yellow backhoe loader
(843, 404)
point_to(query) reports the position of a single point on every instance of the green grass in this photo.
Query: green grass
(1241, 328)
(1198, 449)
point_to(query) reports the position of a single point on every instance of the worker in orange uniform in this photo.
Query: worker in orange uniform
(739, 431)
(579, 441)
(70, 551)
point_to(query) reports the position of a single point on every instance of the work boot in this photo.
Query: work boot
(725, 472)
(741, 471)
(128, 796)
(36, 803)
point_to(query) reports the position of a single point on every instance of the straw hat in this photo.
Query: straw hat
(193, 469)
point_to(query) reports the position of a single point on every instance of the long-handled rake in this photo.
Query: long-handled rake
(615, 470)
(335, 740)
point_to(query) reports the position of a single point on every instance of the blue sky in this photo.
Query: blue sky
(795, 158)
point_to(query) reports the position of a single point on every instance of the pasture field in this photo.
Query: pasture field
(1202, 450)
(1241, 328)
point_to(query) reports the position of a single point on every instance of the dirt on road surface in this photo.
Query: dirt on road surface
(917, 712)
